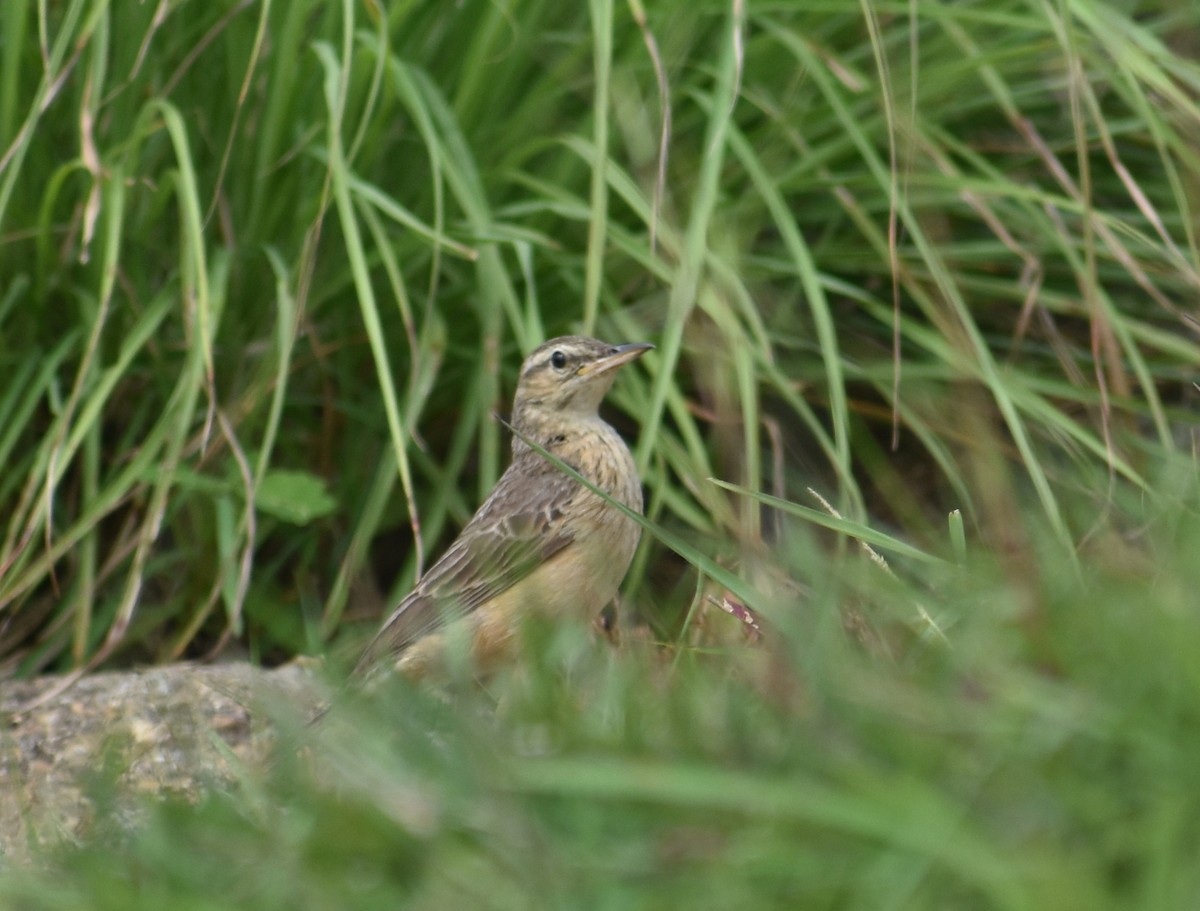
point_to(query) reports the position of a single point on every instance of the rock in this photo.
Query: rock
(168, 730)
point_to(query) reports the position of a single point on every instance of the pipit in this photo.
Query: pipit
(541, 541)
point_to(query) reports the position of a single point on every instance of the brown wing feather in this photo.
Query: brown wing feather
(511, 534)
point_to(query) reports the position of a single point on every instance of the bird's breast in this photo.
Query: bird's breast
(604, 538)
(602, 457)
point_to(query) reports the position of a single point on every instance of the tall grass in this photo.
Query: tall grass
(268, 270)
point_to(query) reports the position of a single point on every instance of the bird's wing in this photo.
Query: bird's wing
(520, 526)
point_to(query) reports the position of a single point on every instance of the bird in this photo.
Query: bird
(541, 542)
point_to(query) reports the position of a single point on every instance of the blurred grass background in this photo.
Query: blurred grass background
(266, 273)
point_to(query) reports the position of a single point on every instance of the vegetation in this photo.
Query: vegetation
(920, 275)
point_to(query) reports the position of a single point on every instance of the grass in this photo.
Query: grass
(268, 270)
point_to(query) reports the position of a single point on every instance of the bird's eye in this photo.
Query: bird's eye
(558, 360)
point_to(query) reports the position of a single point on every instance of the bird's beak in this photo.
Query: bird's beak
(621, 354)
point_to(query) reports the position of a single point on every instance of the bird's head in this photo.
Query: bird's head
(568, 376)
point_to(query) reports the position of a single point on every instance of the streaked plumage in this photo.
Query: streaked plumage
(541, 541)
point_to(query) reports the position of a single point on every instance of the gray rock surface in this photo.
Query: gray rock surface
(176, 729)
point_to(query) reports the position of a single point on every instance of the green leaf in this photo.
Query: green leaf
(294, 496)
